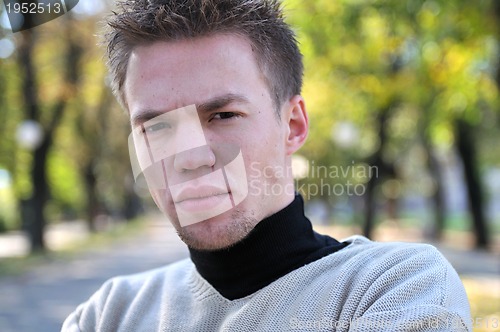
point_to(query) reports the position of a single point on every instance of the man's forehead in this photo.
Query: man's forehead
(149, 58)
(176, 66)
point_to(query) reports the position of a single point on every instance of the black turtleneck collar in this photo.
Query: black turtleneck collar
(278, 245)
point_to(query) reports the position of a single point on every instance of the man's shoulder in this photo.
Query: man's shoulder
(399, 278)
(127, 295)
(366, 261)
(125, 288)
(362, 246)
(149, 278)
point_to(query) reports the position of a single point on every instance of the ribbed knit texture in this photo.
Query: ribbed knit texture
(367, 286)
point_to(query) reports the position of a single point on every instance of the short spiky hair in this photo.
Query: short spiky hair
(141, 22)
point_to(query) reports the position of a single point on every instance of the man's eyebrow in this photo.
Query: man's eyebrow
(145, 115)
(221, 102)
(209, 106)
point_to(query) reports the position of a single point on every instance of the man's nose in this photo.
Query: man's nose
(193, 159)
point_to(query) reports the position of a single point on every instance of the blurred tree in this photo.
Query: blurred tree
(56, 77)
(406, 72)
(466, 146)
(100, 131)
(90, 124)
(383, 80)
(34, 208)
(454, 63)
(92, 131)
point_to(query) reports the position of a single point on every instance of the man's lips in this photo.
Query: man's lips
(202, 204)
(201, 198)
(198, 193)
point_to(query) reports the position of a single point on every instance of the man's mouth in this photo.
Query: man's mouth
(199, 199)
(201, 192)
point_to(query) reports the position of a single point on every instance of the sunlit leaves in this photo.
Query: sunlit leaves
(434, 59)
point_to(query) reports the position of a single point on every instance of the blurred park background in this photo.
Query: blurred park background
(403, 99)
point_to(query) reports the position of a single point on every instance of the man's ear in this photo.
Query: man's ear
(297, 122)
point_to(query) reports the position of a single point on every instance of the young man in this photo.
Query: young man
(212, 88)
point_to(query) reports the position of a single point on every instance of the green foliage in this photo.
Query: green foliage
(424, 63)
(80, 141)
(66, 183)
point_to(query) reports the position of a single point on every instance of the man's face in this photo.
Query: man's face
(211, 95)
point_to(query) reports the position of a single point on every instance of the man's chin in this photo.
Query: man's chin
(219, 232)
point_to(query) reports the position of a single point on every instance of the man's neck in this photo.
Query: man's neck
(278, 245)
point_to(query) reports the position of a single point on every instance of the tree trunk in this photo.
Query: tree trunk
(33, 207)
(377, 161)
(437, 196)
(93, 134)
(370, 207)
(39, 197)
(133, 204)
(466, 147)
(93, 205)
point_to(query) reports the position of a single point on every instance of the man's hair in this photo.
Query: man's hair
(142, 22)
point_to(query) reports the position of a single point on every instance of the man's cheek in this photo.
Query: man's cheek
(160, 197)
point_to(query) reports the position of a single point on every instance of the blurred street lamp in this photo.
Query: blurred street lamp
(29, 134)
(345, 134)
(300, 167)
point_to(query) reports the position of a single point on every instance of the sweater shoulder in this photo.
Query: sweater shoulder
(121, 296)
(394, 252)
(397, 262)
(138, 280)
(144, 286)
(398, 277)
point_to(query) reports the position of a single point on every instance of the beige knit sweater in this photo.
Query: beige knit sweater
(367, 286)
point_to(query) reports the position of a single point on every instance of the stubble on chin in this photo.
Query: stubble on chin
(222, 234)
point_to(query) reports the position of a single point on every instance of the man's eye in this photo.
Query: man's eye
(224, 115)
(155, 127)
